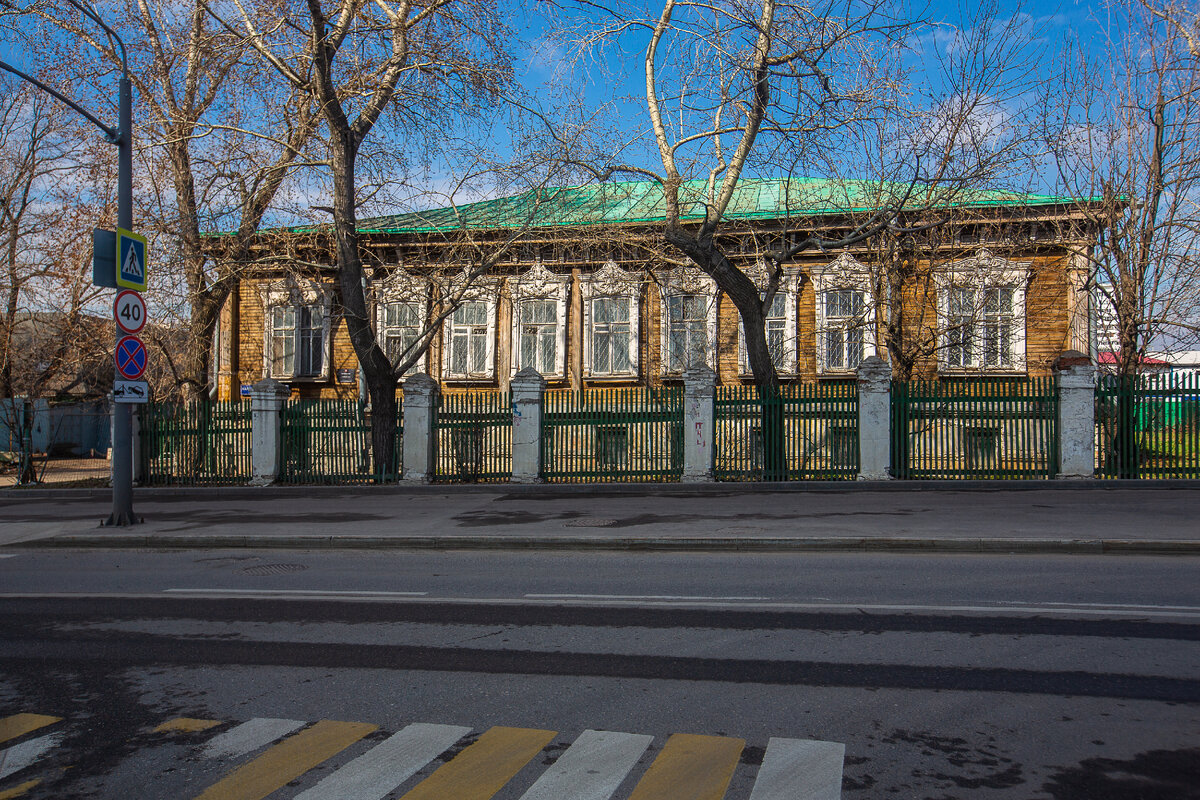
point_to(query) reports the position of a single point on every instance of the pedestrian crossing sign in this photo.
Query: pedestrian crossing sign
(131, 260)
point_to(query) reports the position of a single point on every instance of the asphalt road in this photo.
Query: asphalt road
(940, 676)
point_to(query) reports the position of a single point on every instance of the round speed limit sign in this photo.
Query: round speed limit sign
(129, 311)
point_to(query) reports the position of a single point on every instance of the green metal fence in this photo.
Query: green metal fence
(604, 435)
(329, 441)
(473, 437)
(812, 429)
(1148, 427)
(195, 443)
(978, 428)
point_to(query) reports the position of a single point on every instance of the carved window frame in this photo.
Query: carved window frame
(687, 282)
(297, 293)
(611, 282)
(844, 273)
(983, 271)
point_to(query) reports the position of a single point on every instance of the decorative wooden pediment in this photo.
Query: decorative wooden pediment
(611, 280)
(537, 281)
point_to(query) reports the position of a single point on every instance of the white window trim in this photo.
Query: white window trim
(539, 283)
(788, 287)
(611, 281)
(401, 286)
(296, 292)
(844, 272)
(984, 270)
(685, 281)
(481, 290)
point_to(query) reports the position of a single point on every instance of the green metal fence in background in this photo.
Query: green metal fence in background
(473, 436)
(195, 443)
(977, 428)
(329, 441)
(818, 424)
(1148, 427)
(602, 435)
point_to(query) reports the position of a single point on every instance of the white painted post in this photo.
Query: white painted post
(420, 451)
(699, 388)
(874, 419)
(266, 425)
(1076, 416)
(527, 389)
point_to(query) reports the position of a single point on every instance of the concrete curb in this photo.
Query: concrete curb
(869, 544)
(19, 494)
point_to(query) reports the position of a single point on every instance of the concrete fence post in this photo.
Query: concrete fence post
(266, 430)
(699, 389)
(420, 436)
(1076, 416)
(874, 420)
(528, 387)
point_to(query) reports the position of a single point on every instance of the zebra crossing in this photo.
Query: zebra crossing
(260, 757)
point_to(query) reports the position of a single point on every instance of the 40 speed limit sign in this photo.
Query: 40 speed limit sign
(129, 310)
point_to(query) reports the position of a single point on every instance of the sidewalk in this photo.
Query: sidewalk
(1020, 517)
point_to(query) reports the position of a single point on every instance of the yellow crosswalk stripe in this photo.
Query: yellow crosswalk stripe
(187, 725)
(18, 791)
(482, 769)
(287, 761)
(691, 767)
(21, 724)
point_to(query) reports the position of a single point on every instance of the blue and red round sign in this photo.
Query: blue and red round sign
(130, 358)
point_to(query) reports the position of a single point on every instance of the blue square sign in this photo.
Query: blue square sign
(131, 260)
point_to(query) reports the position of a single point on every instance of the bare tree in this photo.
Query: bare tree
(217, 144)
(361, 61)
(1121, 127)
(46, 182)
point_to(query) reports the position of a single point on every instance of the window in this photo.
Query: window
(538, 335)
(687, 331)
(611, 336)
(845, 315)
(777, 323)
(843, 333)
(400, 329)
(297, 338)
(469, 348)
(980, 327)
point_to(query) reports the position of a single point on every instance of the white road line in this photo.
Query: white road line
(381, 769)
(9, 555)
(313, 592)
(800, 769)
(592, 768)
(1117, 605)
(250, 736)
(20, 756)
(641, 597)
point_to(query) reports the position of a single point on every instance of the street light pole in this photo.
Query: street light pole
(122, 443)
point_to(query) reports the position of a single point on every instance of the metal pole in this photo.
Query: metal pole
(122, 444)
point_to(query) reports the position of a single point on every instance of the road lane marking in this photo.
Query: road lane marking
(21, 724)
(591, 768)
(187, 725)
(287, 761)
(250, 736)
(641, 597)
(20, 756)
(313, 592)
(19, 791)
(800, 769)
(381, 769)
(9, 555)
(691, 767)
(482, 769)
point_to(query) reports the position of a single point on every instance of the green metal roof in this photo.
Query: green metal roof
(642, 201)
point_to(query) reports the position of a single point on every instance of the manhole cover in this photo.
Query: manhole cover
(273, 569)
(590, 522)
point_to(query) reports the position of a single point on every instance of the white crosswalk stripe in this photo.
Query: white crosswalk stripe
(800, 769)
(20, 756)
(374, 774)
(592, 768)
(250, 736)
